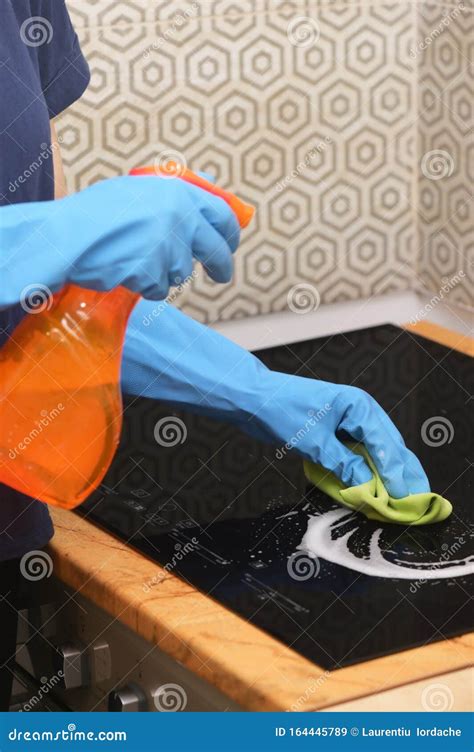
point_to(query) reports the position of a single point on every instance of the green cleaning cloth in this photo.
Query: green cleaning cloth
(373, 500)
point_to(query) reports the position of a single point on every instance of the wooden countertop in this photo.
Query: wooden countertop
(251, 667)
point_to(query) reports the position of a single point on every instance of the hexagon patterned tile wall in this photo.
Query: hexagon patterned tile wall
(307, 109)
(446, 150)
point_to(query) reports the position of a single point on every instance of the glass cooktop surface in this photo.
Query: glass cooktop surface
(226, 513)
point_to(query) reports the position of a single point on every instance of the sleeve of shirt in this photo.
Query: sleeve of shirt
(63, 69)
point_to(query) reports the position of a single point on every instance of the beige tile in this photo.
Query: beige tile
(311, 122)
(445, 57)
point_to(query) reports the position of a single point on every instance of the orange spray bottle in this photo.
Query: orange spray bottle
(60, 398)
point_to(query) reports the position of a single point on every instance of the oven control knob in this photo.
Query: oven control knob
(127, 698)
(70, 662)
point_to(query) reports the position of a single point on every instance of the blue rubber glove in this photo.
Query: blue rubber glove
(141, 232)
(170, 357)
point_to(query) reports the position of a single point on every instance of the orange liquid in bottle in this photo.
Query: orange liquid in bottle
(60, 398)
(61, 407)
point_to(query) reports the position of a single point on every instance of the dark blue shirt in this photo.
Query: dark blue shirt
(42, 71)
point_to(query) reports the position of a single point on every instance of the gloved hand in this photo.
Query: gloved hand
(170, 357)
(141, 232)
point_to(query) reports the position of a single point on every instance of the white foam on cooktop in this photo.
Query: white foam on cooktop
(318, 542)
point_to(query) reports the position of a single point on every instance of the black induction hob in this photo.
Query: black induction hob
(226, 515)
